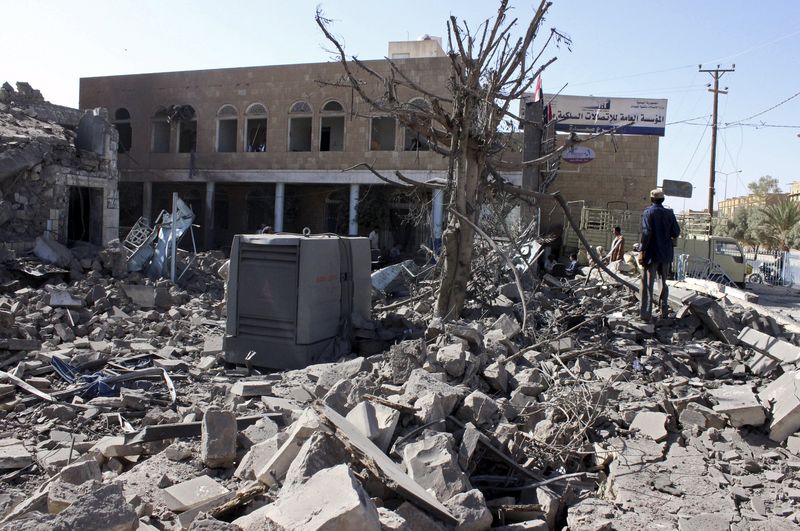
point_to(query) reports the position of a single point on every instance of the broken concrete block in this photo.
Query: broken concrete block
(470, 509)
(496, 376)
(433, 464)
(429, 408)
(739, 404)
(258, 456)
(529, 382)
(705, 522)
(416, 519)
(178, 451)
(64, 299)
(375, 421)
(332, 499)
(141, 295)
(262, 430)
(422, 383)
(52, 252)
(480, 409)
(61, 494)
(784, 395)
(651, 424)
(780, 350)
(793, 444)
(703, 417)
(247, 388)
(453, 359)
(13, 454)
(339, 371)
(218, 438)
(507, 325)
(81, 472)
(103, 508)
(183, 496)
(322, 450)
(391, 521)
(297, 434)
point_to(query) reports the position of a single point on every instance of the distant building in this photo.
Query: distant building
(794, 194)
(727, 208)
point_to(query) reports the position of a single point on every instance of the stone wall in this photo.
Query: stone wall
(39, 163)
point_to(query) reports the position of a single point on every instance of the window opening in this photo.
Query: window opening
(256, 128)
(227, 126)
(382, 134)
(122, 121)
(415, 141)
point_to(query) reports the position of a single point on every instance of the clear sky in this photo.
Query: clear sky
(627, 48)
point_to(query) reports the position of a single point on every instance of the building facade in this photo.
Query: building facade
(268, 145)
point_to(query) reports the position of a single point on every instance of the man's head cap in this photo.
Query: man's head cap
(656, 193)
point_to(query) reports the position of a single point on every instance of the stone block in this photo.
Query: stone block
(453, 359)
(739, 404)
(183, 496)
(651, 424)
(471, 510)
(480, 409)
(375, 421)
(258, 456)
(332, 499)
(104, 508)
(81, 472)
(784, 396)
(246, 388)
(339, 371)
(61, 494)
(13, 454)
(275, 468)
(422, 383)
(432, 463)
(322, 450)
(507, 325)
(775, 348)
(218, 438)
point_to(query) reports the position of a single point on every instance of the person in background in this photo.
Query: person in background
(549, 262)
(617, 246)
(267, 229)
(374, 239)
(659, 228)
(572, 268)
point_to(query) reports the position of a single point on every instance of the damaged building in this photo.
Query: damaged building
(58, 172)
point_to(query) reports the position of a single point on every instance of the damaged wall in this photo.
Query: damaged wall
(47, 184)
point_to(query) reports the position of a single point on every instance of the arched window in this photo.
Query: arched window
(300, 120)
(331, 130)
(187, 129)
(256, 128)
(415, 141)
(122, 121)
(227, 126)
(160, 126)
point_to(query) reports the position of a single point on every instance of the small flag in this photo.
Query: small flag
(537, 88)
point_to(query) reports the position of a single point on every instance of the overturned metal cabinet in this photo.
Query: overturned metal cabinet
(291, 297)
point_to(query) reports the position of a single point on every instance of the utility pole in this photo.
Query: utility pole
(716, 73)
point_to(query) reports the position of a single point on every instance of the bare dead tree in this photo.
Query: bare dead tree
(490, 69)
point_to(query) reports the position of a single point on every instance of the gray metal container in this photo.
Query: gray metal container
(291, 297)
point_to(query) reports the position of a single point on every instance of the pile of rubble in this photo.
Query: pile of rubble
(119, 413)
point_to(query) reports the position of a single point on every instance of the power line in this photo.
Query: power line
(695, 150)
(790, 98)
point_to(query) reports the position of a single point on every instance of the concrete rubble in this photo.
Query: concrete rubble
(117, 411)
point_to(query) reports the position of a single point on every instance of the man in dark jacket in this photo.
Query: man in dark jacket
(659, 228)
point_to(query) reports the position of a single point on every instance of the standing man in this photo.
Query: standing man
(617, 246)
(374, 239)
(659, 227)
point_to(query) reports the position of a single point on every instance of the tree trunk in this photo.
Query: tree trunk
(459, 237)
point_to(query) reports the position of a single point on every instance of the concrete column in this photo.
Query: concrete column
(280, 192)
(437, 215)
(208, 218)
(352, 227)
(147, 201)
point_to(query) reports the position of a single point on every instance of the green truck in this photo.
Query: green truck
(697, 253)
